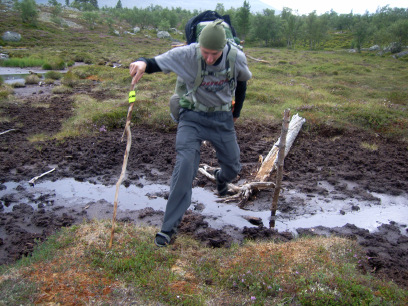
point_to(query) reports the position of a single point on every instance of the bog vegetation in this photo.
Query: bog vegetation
(309, 70)
(307, 271)
(298, 62)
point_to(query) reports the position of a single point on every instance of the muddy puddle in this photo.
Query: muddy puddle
(12, 75)
(307, 210)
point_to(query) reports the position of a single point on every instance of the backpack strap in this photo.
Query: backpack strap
(231, 59)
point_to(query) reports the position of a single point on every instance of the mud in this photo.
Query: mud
(319, 154)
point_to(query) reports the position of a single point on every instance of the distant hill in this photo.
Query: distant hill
(256, 5)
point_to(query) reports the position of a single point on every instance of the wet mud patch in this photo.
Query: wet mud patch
(386, 249)
(23, 228)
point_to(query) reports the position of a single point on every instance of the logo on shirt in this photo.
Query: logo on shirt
(214, 86)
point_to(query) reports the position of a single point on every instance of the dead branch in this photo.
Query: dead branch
(31, 182)
(269, 162)
(242, 193)
(256, 59)
(7, 131)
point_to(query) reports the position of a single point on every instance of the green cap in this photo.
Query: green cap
(213, 36)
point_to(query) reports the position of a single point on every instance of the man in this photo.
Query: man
(205, 115)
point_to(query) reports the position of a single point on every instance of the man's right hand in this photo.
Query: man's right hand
(136, 70)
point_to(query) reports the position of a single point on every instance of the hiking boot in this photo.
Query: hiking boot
(162, 239)
(222, 187)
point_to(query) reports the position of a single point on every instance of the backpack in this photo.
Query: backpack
(193, 29)
(195, 25)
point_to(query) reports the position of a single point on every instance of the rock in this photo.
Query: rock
(400, 54)
(355, 208)
(254, 220)
(175, 31)
(136, 30)
(11, 36)
(374, 48)
(3, 56)
(163, 34)
(394, 47)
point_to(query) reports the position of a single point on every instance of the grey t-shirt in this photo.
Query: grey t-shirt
(214, 90)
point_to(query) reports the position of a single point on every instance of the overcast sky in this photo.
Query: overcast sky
(339, 6)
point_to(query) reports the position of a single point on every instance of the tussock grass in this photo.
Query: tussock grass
(336, 87)
(76, 265)
(62, 90)
(54, 75)
(32, 79)
(369, 146)
(5, 91)
(22, 62)
(86, 109)
(38, 138)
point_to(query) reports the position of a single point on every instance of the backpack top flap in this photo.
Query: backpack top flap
(191, 25)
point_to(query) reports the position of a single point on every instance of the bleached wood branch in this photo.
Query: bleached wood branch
(31, 182)
(7, 131)
(242, 193)
(269, 163)
(256, 59)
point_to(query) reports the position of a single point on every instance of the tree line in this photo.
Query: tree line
(267, 28)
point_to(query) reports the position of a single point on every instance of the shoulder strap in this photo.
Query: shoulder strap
(201, 69)
(229, 67)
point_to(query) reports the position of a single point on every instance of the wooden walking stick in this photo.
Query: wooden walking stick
(279, 173)
(132, 99)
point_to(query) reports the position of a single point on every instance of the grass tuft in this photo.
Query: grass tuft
(76, 265)
(32, 79)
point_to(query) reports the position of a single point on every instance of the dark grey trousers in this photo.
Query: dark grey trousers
(193, 129)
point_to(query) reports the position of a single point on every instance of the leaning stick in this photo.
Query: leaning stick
(279, 173)
(132, 99)
(31, 182)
